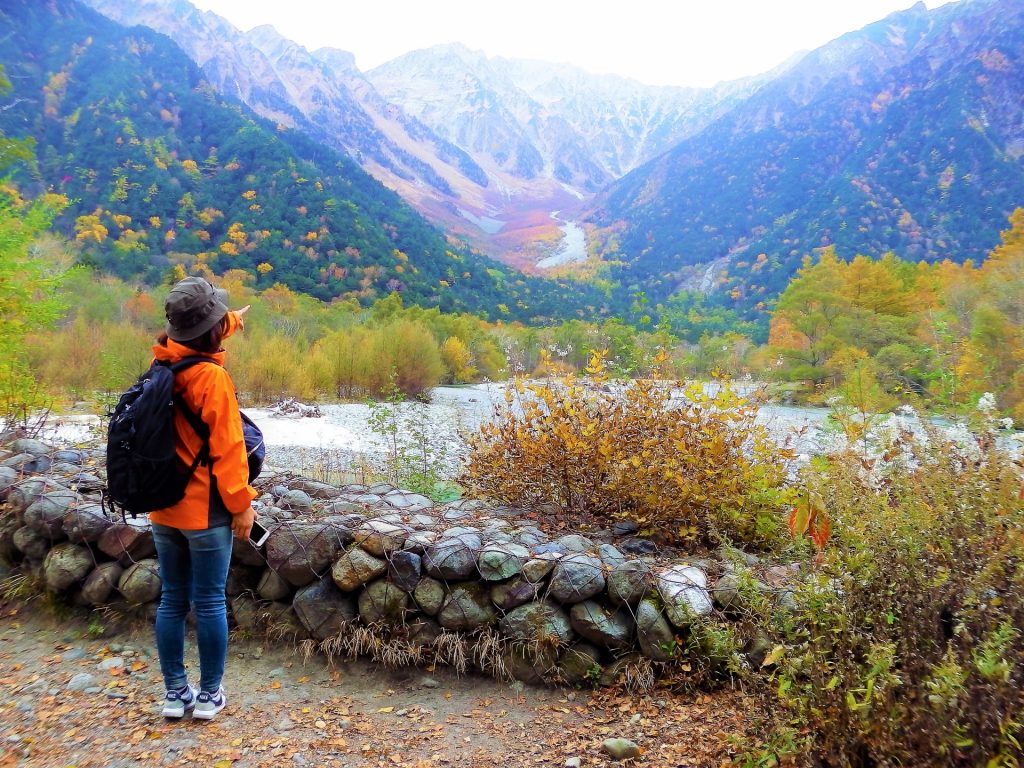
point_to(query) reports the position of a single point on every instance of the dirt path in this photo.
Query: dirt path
(283, 711)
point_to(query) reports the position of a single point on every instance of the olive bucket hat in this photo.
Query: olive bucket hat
(193, 307)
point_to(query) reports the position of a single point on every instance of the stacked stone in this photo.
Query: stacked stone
(567, 608)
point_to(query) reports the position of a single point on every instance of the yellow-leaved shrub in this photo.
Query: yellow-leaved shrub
(686, 462)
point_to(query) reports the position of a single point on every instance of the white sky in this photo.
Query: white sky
(659, 42)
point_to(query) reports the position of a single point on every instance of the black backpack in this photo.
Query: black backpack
(143, 469)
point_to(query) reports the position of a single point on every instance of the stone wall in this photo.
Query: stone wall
(384, 572)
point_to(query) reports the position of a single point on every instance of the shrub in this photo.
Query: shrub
(904, 646)
(696, 467)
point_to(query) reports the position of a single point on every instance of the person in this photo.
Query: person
(194, 537)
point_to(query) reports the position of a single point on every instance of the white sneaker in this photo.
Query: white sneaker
(177, 703)
(209, 704)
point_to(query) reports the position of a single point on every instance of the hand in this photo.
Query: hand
(241, 524)
(239, 313)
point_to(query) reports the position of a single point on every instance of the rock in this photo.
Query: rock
(418, 541)
(653, 633)
(302, 552)
(529, 536)
(466, 608)
(85, 482)
(580, 663)
(573, 762)
(498, 562)
(81, 681)
(607, 629)
(452, 557)
(423, 631)
(245, 611)
(530, 664)
(140, 583)
(314, 488)
(408, 501)
(575, 578)
(30, 445)
(538, 568)
(732, 556)
(629, 582)
(242, 578)
(300, 501)
(38, 465)
(380, 489)
(621, 749)
(101, 582)
(31, 543)
(272, 586)
(543, 621)
(636, 546)
(22, 495)
(19, 462)
(66, 564)
(405, 570)
(576, 543)
(324, 609)
(549, 548)
(355, 568)
(619, 670)
(128, 542)
(384, 603)
(756, 651)
(683, 590)
(429, 595)
(46, 514)
(726, 590)
(8, 476)
(69, 456)
(380, 538)
(513, 593)
(115, 662)
(625, 528)
(85, 523)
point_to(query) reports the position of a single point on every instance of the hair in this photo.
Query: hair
(208, 342)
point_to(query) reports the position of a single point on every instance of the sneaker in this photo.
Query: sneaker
(177, 703)
(209, 704)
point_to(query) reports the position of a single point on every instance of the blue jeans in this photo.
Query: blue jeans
(193, 569)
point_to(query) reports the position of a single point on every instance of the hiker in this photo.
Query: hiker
(194, 536)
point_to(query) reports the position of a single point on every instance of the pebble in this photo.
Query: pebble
(285, 725)
(277, 672)
(93, 689)
(635, 719)
(429, 682)
(621, 749)
(54, 691)
(75, 654)
(114, 663)
(402, 713)
(116, 695)
(80, 682)
(573, 762)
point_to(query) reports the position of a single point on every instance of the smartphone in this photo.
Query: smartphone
(258, 535)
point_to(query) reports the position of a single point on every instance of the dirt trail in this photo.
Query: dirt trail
(284, 711)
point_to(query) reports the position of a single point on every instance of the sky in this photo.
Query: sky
(658, 42)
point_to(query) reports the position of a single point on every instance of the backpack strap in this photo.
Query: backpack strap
(194, 419)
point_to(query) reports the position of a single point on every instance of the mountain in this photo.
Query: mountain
(905, 136)
(162, 170)
(489, 160)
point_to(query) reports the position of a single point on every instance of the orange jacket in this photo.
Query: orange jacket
(222, 489)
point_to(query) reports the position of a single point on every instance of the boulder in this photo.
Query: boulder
(296, 500)
(380, 538)
(85, 523)
(579, 663)
(405, 570)
(101, 583)
(575, 578)
(314, 488)
(418, 541)
(603, 627)
(66, 564)
(355, 568)
(323, 609)
(272, 586)
(30, 445)
(576, 543)
(530, 664)
(128, 542)
(140, 583)
(655, 636)
(466, 608)
(683, 590)
(383, 603)
(498, 562)
(22, 495)
(302, 552)
(539, 568)
(453, 557)
(543, 622)
(629, 582)
(31, 543)
(513, 593)
(242, 578)
(610, 555)
(429, 595)
(46, 513)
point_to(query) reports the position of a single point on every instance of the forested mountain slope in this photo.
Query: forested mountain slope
(907, 136)
(160, 169)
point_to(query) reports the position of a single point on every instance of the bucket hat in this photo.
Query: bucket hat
(193, 307)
